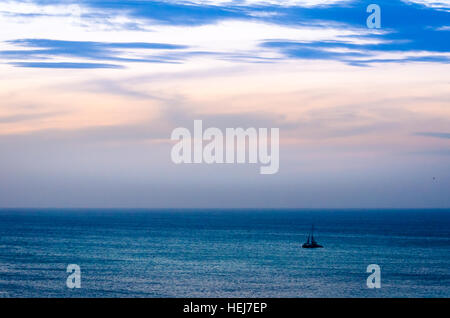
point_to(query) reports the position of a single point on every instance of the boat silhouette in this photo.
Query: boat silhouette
(311, 242)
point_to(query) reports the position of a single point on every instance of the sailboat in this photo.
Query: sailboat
(311, 242)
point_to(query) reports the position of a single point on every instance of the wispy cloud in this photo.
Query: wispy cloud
(353, 53)
(65, 65)
(411, 29)
(443, 135)
(44, 49)
(26, 117)
(439, 4)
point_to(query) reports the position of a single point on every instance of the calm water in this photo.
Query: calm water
(224, 253)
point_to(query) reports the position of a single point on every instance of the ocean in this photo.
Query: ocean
(224, 253)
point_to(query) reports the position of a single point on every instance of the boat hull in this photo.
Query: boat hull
(312, 246)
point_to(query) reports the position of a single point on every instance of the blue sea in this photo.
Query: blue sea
(224, 253)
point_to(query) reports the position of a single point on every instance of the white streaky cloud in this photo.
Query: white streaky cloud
(75, 9)
(284, 3)
(263, 14)
(398, 55)
(15, 7)
(230, 37)
(299, 3)
(29, 20)
(229, 40)
(444, 4)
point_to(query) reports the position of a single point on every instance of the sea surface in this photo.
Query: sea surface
(224, 253)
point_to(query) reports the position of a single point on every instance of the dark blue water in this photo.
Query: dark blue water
(241, 253)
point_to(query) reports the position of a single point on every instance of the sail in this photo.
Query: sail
(312, 234)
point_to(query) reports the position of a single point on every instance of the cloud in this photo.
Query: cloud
(315, 50)
(286, 3)
(442, 135)
(440, 4)
(65, 65)
(357, 54)
(244, 31)
(99, 51)
(25, 117)
(173, 13)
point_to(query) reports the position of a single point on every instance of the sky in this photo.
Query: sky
(91, 90)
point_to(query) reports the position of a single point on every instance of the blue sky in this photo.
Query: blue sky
(408, 27)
